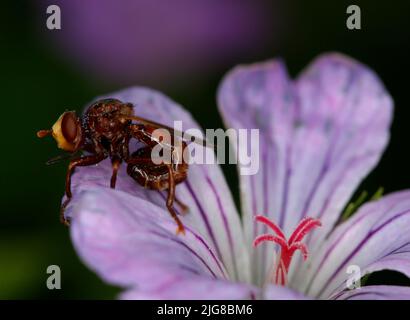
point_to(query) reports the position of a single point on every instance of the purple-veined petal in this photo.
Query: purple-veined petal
(261, 96)
(377, 237)
(348, 113)
(129, 241)
(273, 292)
(320, 136)
(212, 214)
(377, 293)
(195, 288)
(396, 260)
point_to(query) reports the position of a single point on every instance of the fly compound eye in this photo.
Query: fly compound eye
(65, 131)
(69, 126)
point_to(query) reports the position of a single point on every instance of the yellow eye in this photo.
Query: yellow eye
(65, 132)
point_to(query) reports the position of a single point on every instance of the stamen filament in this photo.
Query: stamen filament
(271, 225)
(303, 228)
(269, 237)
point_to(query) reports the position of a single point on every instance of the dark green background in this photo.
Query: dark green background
(37, 84)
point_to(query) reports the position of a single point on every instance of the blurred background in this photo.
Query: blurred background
(183, 48)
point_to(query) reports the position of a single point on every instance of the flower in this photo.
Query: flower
(319, 137)
(148, 40)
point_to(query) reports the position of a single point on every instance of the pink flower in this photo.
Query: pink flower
(320, 136)
(154, 41)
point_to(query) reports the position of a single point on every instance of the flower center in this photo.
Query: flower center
(287, 246)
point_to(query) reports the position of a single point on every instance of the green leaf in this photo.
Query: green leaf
(378, 194)
(354, 206)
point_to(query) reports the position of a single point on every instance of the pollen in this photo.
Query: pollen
(287, 246)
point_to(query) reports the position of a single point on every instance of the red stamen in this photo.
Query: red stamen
(299, 246)
(303, 228)
(269, 237)
(287, 247)
(271, 225)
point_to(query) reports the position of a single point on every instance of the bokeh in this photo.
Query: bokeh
(183, 48)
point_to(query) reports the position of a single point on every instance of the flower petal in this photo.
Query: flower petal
(131, 243)
(377, 293)
(273, 292)
(348, 113)
(212, 214)
(261, 96)
(377, 237)
(195, 288)
(319, 138)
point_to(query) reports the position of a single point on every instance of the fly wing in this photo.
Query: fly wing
(60, 158)
(176, 133)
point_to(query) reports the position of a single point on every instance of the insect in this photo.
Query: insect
(105, 130)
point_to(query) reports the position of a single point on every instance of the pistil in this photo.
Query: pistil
(287, 246)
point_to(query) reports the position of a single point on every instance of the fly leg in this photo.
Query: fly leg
(83, 161)
(183, 206)
(171, 188)
(116, 162)
(171, 198)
